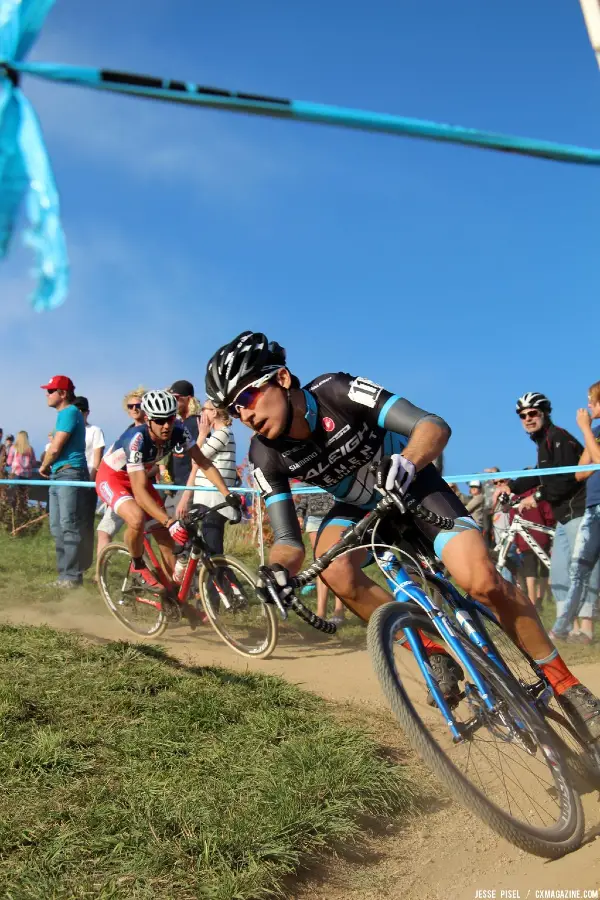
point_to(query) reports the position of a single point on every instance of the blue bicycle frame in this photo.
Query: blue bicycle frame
(404, 590)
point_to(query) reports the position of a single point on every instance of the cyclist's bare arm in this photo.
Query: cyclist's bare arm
(144, 499)
(427, 433)
(287, 555)
(426, 442)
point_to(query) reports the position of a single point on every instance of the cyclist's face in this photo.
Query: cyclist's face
(161, 429)
(269, 410)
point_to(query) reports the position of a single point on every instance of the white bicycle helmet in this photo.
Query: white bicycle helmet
(534, 400)
(159, 404)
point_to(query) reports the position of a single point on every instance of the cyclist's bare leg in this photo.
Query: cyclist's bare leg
(346, 578)
(353, 587)
(322, 589)
(134, 518)
(165, 545)
(467, 560)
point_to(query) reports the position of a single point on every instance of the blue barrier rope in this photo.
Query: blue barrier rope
(177, 91)
(451, 479)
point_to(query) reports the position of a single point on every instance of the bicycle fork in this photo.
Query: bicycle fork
(404, 590)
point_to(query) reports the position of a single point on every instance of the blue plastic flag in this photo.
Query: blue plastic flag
(25, 172)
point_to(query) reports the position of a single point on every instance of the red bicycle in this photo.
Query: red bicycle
(225, 588)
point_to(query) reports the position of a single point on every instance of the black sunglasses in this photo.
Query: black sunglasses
(529, 414)
(51, 391)
(134, 406)
(163, 420)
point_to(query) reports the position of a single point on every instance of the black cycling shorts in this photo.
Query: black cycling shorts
(431, 491)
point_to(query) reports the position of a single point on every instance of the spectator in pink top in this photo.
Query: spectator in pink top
(21, 457)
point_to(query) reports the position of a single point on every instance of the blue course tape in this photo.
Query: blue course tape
(177, 91)
(451, 479)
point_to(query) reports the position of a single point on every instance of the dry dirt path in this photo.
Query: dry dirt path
(446, 853)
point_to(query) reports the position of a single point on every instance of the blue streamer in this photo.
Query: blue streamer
(25, 172)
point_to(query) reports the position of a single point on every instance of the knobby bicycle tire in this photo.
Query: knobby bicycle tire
(552, 842)
(573, 745)
(113, 603)
(270, 622)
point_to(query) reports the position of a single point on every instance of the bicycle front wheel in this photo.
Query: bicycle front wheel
(228, 594)
(139, 611)
(507, 766)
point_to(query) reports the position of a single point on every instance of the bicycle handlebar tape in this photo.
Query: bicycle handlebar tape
(309, 616)
(440, 521)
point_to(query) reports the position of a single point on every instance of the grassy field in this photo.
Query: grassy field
(126, 774)
(27, 565)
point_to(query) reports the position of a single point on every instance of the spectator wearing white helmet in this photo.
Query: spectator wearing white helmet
(566, 496)
(123, 483)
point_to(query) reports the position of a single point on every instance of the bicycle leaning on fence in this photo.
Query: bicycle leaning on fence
(502, 745)
(523, 527)
(223, 584)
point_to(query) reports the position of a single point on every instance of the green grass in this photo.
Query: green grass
(126, 774)
(27, 564)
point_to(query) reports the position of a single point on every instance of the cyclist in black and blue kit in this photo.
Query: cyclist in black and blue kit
(329, 434)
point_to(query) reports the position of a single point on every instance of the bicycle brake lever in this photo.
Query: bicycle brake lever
(275, 598)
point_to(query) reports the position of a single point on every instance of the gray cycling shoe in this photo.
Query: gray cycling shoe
(447, 673)
(583, 707)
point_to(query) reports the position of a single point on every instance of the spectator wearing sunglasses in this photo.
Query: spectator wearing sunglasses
(111, 522)
(564, 493)
(65, 461)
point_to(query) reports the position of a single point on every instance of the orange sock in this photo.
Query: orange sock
(430, 646)
(559, 676)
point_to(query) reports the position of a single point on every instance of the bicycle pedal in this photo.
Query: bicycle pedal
(171, 609)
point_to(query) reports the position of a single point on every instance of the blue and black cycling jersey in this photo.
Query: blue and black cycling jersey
(353, 423)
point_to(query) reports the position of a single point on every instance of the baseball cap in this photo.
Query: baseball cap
(183, 388)
(58, 383)
(82, 404)
(474, 484)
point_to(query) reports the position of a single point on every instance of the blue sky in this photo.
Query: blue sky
(456, 277)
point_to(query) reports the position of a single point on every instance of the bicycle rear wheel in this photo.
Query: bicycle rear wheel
(139, 611)
(507, 766)
(228, 595)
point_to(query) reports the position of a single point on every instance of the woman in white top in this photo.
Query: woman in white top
(216, 440)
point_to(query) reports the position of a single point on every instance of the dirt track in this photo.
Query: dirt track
(447, 854)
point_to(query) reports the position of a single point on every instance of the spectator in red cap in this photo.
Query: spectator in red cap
(65, 460)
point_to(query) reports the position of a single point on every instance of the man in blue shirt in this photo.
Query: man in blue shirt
(65, 460)
(586, 551)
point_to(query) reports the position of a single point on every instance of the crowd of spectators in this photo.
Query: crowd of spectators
(569, 502)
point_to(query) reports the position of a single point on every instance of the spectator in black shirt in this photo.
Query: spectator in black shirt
(566, 496)
(180, 464)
